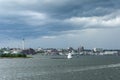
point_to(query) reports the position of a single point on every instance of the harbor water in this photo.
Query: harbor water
(47, 68)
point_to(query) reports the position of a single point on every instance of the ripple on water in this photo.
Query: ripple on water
(85, 68)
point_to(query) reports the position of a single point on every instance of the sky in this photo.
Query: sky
(60, 23)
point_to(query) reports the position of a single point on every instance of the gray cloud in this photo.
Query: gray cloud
(40, 18)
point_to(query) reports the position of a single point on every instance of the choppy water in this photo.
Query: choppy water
(45, 68)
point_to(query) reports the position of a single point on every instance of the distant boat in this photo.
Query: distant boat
(69, 56)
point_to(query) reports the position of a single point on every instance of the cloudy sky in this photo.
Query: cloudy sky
(60, 23)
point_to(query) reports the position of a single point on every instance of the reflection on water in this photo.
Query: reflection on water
(45, 68)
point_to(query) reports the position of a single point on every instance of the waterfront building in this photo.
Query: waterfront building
(110, 52)
(97, 50)
(80, 49)
(70, 49)
(6, 52)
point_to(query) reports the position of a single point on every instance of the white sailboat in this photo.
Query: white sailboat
(69, 56)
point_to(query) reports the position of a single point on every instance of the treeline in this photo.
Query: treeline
(13, 55)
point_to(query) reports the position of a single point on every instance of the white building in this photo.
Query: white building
(6, 52)
(110, 52)
(15, 51)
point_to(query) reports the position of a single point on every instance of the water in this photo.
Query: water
(45, 68)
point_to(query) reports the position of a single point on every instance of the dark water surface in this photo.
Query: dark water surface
(45, 68)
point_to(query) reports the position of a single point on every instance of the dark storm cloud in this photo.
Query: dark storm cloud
(79, 8)
(50, 17)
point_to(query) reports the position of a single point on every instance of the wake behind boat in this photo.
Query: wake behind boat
(68, 56)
